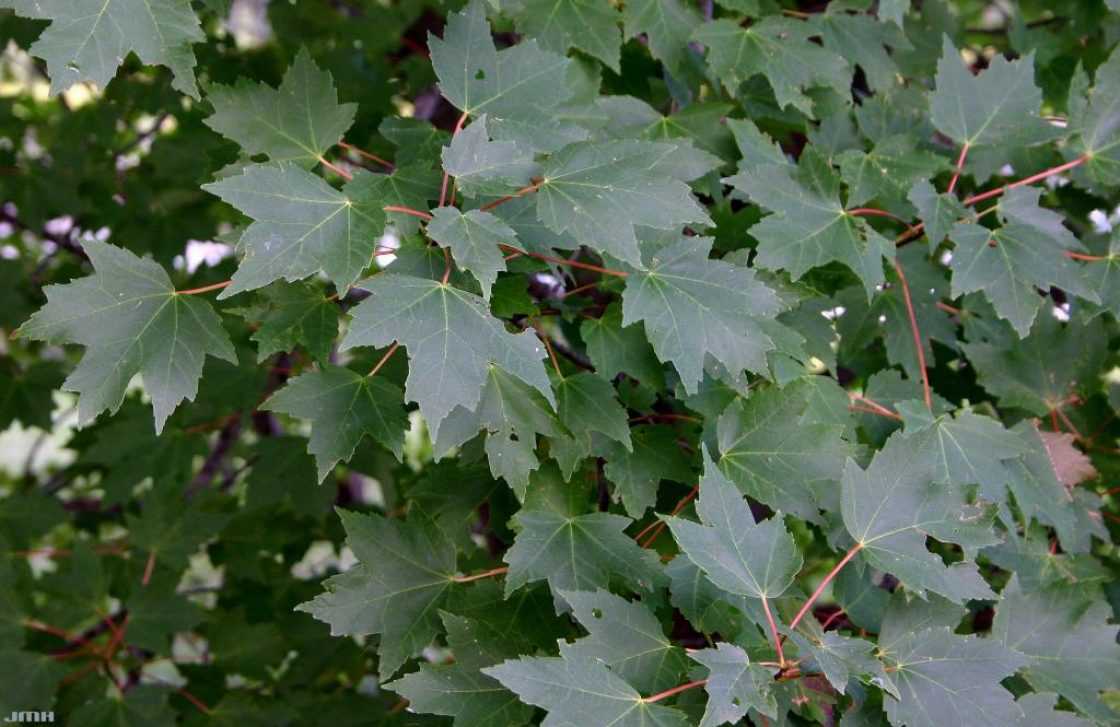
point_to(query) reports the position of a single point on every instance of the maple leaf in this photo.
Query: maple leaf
(516, 87)
(736, 553)
(627, 637)
(461, 690)
(294, 314)
(131, 321)
(302, 225)
(999, 106)
(1067, 642)
(734, 685)
(694, 307)
(298, 122)
(512, 415)
(590, 25)
(943, 678)
(473, 238)
(864, 41)
(598, 191)
(577, 552)
(777, 454)
(451, 337)
(403, 575)
(87, 41)
(780, 50)
(893, 506)
(480, 165)
(343, 407)
(578, 690)
(1095, 121)
(810, 227)
(667, 24)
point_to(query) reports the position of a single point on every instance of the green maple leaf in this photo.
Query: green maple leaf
(968, 448)
(843, 658)
(343, 407)
(1039, 494)
(473, 238)
(512, 415)
(303, 225)
(87, 41)
(131, 321)
(777, 452)
(1010, 265)
(461, 690)
(668, 24)
(1070, 647)
(1104, 276)
(862, 40)
(588, 403)
(598, 191)
(517, 87)
(939, 212)
(578, 690)
(736, 553)
(1043, 370)
(403, 575)
(998, 107)
(943, 678)
(888, 170)
(780, 50)
(451, 339)
(294, 314)
(709, 608)
(887, 314)
(636, 474)
(481, 165)
(735, 685)
(694, 307)
(156, 614)
(576, 552)
(627, 637)
(894, 505)
(590, 25)
(811, 227)
(614, 348)
(1095, 122)
(298, 122)
(1039, 709)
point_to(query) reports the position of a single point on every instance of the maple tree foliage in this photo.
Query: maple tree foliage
(561, 362)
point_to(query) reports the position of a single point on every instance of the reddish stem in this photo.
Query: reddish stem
(198, 703)
(1087, 258)
(917, 336)
(446, 176)
(675, 690)
(408, 211)
(388, 354)
(337, 170)
(367, 155)
(774, 631)
(829, 621)
(480, 576)
(875, 406)
(569, 263)
(872, 212)
(957, 171)
(205, 288)
(548, 347)
(824, 584)
(659, 525)
(1029, 180)
(147, 577)
(869, 410)
(531, 188)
